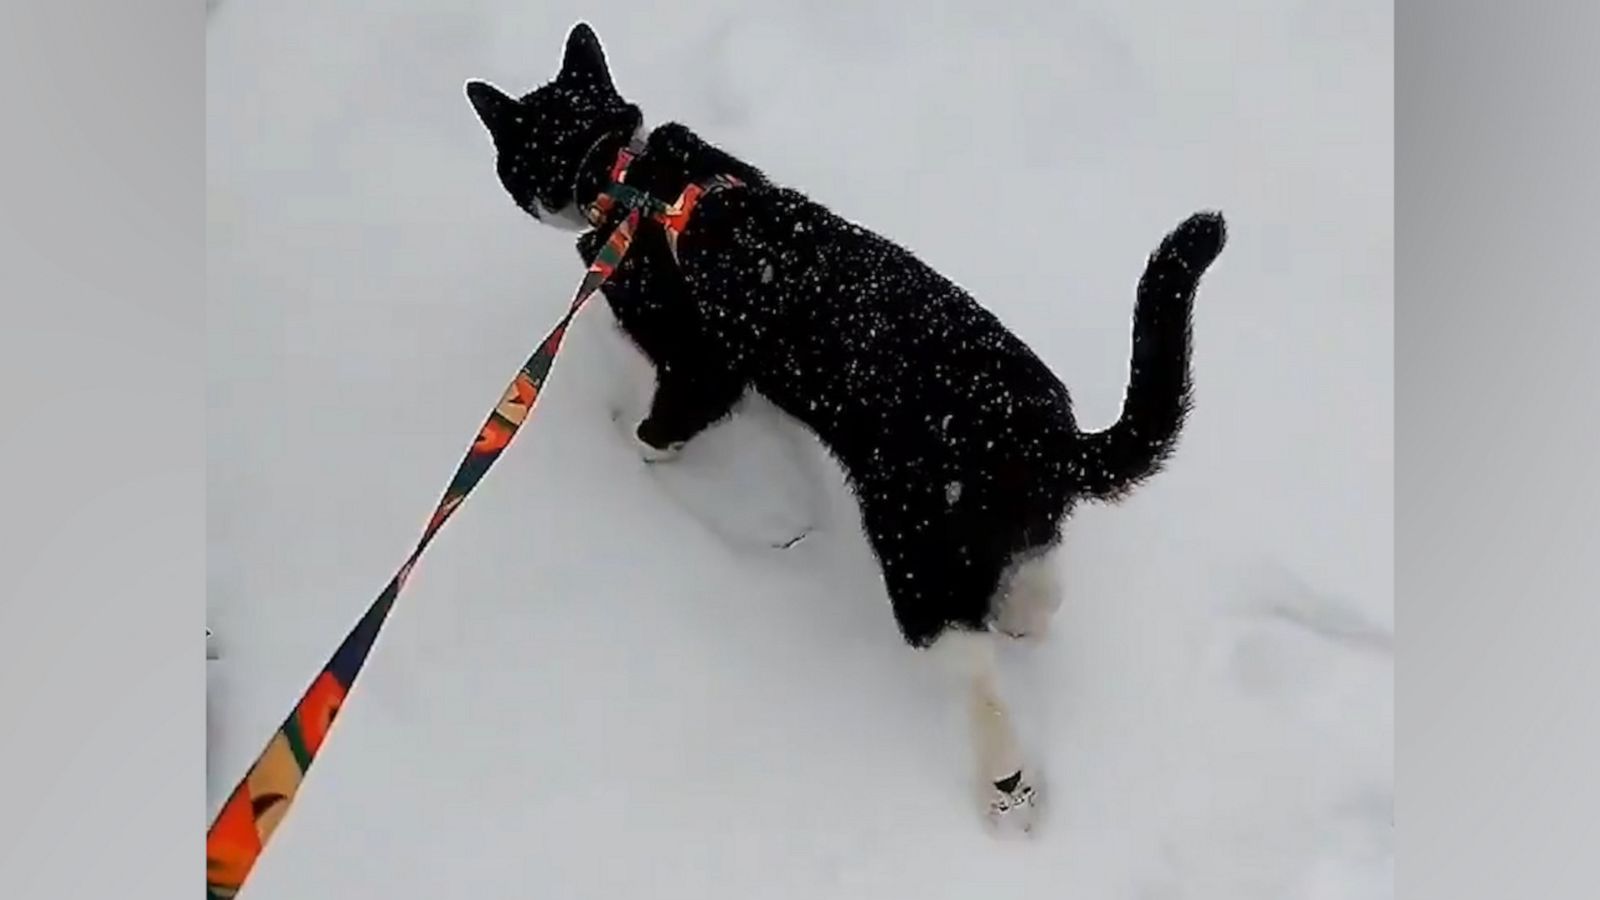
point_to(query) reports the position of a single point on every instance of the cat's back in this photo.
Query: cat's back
(862, 329)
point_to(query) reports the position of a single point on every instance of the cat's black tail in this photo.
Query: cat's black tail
(1116, 460)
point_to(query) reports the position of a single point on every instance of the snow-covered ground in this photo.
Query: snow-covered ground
(602, 681)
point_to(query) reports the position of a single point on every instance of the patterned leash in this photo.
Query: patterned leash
(262, 798)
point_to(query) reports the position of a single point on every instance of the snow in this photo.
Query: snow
(604, 679)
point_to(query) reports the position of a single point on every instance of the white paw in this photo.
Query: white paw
(1012, 806)
(656, 454)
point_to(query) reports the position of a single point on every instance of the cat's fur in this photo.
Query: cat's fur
(958, 442)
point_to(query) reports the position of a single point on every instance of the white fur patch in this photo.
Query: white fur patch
(1030, 597)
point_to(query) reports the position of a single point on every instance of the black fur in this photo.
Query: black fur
(959, 443)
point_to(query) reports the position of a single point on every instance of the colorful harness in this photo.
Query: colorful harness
(673, 218)
(259, 802)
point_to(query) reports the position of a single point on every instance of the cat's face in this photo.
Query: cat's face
(542, 139)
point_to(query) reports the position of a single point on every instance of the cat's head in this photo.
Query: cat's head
(569, 128)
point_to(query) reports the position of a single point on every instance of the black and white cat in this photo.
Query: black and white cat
(959, 444)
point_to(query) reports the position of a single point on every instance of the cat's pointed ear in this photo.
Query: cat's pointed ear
(494, 107)
(584, 63)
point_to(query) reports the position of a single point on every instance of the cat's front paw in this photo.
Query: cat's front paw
(652, 449)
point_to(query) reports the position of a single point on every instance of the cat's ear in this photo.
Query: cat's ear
(584, 63)
(495, 108)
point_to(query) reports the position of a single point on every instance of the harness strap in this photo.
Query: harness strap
(673, 218)
(263, 796)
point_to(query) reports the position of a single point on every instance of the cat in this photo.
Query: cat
(959, 444)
